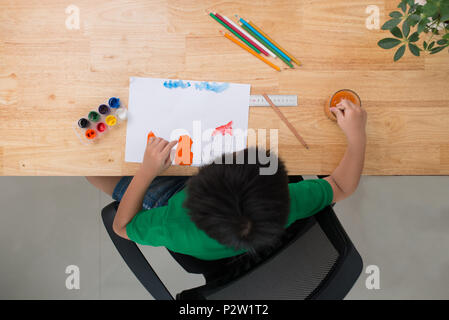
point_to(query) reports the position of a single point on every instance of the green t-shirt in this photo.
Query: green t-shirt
(170, 226)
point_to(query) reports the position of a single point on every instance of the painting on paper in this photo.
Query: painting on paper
(214, 115)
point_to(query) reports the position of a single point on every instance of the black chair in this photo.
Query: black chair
(314, 260)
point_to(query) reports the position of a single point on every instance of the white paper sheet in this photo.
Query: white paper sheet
(203, 110)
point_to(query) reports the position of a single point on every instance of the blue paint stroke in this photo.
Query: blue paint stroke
(207, 86)
(215, 87)
(176, 84)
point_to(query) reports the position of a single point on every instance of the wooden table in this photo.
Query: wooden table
(50, 76)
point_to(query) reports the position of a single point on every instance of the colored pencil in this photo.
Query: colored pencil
(287, 123)
(235, 33)
(256, 43)
(260, 39)
(225, 20)
(249, 26)
(254, 53)
(273, 42)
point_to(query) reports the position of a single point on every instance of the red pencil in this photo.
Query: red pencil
(241, 34)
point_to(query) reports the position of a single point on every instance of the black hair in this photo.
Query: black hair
(236, 205)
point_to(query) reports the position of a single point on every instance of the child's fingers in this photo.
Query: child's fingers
(168, 147)
(341, 105)
(347, 104)
(338, 112)
(167, 162)
(161, 145)
(150, 141)
(154, 141)
(157, 144)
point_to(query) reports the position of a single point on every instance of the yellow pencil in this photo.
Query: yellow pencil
(227, 35)
(277, 45)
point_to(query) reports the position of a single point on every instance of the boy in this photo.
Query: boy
(227, 209)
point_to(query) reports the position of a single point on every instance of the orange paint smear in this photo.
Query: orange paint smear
(184, 156)
(150, 135)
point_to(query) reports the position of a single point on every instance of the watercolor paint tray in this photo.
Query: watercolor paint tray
(96, 123)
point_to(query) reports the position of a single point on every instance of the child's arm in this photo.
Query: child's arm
(345, 178)
(155, 161)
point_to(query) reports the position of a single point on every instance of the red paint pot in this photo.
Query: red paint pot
(101, 127)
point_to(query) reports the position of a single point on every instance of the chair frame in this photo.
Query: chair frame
(334, 286)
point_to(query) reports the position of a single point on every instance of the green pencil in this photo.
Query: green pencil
(235, 33)
(266, 45)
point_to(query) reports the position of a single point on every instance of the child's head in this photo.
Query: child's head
(236, 205)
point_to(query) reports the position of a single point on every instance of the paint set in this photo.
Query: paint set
(96, 123)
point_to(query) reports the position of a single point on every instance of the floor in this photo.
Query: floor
(399, 224)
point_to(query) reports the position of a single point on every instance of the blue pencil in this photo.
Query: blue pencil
(265, 39)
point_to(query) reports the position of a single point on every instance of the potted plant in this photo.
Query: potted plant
(418, 19)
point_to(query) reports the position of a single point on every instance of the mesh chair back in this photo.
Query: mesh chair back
(293, 274)
(319, 263)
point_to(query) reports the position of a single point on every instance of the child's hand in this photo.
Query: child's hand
(351, 119)
(157, 156)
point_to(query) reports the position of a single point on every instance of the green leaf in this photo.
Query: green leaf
(414, 37)
(390, 24)
(403, 6)
(398, 55)
(444, 11)
(388, 43)
(446, 36)
(425, 45)
(442, 42)
(431, 45)
(413, 19)
(414, 49)
(396, 32)
(422, 25)
(437, 49)
(395, 14)
(418, 9)
(405, 29)
(413, 7)
(430, 9)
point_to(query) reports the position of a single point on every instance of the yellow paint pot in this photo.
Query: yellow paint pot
(111, 120)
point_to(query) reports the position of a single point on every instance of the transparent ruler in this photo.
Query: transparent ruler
(280, 100)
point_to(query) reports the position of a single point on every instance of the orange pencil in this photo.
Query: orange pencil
(227, 35)
(273, 42)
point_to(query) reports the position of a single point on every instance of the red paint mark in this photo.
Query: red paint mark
(184, 156)
(227, 128)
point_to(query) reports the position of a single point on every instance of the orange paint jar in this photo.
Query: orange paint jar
(90, 134)
(337, 97)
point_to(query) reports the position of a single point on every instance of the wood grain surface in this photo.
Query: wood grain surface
(50, 76)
